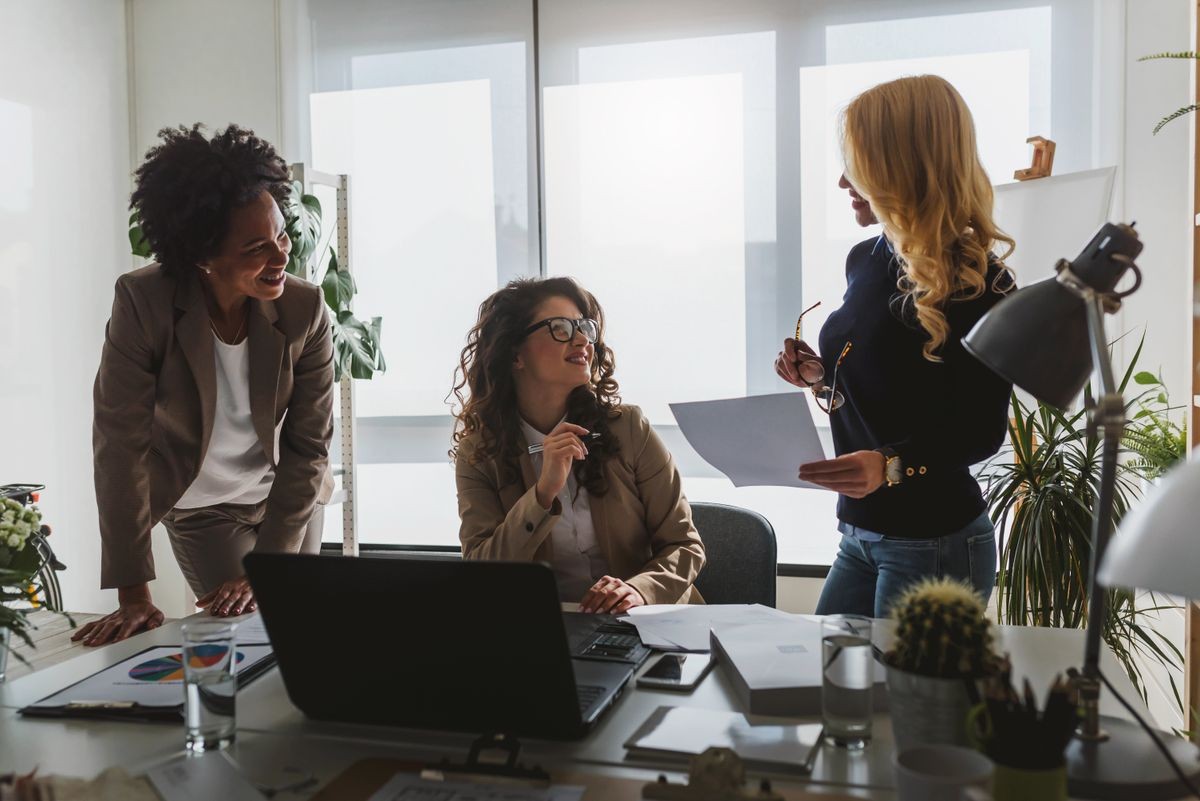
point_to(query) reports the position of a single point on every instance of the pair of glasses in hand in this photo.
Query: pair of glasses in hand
(828, 398)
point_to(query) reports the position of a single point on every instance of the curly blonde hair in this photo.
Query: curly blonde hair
(909, 148)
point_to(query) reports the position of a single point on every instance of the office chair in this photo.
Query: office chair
(741, 555)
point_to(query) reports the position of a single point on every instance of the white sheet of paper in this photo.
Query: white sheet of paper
(411, 787)
(685, 627)
(148, 678)
(202, 777)
(758, 441)
(251, 630)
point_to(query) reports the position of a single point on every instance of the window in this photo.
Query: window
(688, 167)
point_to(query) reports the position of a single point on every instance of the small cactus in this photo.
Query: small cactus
(942, 631)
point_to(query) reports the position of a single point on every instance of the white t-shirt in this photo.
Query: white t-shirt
(235, 468)
(578, 562)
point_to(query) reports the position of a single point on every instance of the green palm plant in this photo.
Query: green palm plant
(1041, 493)
(1179, 112)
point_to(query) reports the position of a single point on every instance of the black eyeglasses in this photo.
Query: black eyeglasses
(563, 328)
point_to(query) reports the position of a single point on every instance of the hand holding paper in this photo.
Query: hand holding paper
(757, 441)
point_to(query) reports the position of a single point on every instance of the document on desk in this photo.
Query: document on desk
(152, 678)
(202, 777)
(758, 441)
(685, 627)
(681, 732)
(411, 787)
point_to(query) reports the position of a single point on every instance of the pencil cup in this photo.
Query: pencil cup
(209, 684)
(1018, 784)
(847, 675)
(943, 773)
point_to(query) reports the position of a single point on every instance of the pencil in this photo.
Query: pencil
(539, 447)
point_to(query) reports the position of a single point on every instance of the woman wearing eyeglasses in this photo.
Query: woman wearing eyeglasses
(910, 410)
(551, 467)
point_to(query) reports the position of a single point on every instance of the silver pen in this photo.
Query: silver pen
(538, 448)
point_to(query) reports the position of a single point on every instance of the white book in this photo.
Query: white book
(775, 667)
(683, 732)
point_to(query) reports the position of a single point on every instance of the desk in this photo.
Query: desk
(273, 733)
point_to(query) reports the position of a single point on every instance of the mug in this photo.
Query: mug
(1012, 783)
(942, 773)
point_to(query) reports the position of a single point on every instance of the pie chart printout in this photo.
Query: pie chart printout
(170, 667)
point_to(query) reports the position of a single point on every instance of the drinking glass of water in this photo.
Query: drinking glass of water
(847, 675)
(209, 683)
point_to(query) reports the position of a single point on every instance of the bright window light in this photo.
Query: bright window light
(423, 236)
(645, 188)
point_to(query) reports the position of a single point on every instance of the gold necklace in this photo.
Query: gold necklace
(237, 336)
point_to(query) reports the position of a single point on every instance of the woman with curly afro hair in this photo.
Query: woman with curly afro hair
(598, 497)
(214, 397)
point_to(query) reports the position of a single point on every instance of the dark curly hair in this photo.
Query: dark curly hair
(188, 187)
(485, 370)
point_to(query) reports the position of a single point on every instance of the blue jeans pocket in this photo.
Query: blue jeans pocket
(981, 562)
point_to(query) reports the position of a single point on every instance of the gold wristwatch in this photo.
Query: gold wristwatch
(893, 467)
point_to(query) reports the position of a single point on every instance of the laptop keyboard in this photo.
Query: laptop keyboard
(588, 694)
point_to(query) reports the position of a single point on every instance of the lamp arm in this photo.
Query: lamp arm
(1108, 415)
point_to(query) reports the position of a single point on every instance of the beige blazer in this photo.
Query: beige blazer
(643, 522)
(155, 399)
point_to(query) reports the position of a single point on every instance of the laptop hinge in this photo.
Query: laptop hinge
(507, 744)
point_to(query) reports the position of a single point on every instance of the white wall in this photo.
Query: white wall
(1156, 191)
(64, 183)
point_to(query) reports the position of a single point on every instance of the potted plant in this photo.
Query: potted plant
(1154, 440)
(1041, 492)
(19, 563)
(943, 646)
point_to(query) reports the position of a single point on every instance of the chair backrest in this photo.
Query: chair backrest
(741, 556)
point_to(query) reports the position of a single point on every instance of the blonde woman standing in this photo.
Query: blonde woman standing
(910, 410)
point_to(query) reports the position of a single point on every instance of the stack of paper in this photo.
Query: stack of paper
(686, 627)
(685, 731)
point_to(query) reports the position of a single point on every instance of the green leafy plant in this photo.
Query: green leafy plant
(1156, 442)
(356, 345)
(1041, 493)
(1179, 112)
(942, 631)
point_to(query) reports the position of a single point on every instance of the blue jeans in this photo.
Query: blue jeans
(871, 571)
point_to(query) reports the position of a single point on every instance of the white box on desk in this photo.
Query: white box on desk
(776, 667)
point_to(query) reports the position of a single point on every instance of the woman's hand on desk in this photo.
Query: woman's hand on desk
(559, 452)
(610, 596)
(855, 475)
(799, 365)
(136, 612)
(234, 597)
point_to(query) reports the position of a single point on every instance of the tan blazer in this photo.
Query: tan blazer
(155, 399)
(643, 523)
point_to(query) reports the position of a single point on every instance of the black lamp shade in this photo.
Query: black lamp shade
(1038, 339)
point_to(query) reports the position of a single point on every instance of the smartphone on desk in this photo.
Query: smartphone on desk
(676, 672)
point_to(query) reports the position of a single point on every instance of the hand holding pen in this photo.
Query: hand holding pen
(562, 447)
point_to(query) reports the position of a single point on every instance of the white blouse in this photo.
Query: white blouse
(235, 467)
(578, 562)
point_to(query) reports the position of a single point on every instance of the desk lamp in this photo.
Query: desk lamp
(1048, 338)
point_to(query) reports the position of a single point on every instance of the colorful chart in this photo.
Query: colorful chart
(170, 667)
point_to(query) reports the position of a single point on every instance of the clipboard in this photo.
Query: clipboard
(153, 666)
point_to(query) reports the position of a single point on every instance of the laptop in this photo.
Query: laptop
(479, 647)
